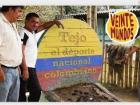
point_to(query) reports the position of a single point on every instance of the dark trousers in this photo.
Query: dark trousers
(32, 86)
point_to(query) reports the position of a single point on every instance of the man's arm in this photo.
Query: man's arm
(49, 24)
(25, 74)
(2, 75)
(134, 49)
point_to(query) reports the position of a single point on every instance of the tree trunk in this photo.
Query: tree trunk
(61, 11)
(94, 17)
(89, 15)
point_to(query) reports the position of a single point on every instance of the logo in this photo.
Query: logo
(122, 26)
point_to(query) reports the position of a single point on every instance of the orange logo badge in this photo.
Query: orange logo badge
(122, 26)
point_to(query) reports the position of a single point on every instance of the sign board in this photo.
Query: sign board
(68, 56)
(122, 26)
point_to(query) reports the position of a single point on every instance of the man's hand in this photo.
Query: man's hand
(25, 74)
(49, 24)
(58, 23)
(126, 57)
(2, 75)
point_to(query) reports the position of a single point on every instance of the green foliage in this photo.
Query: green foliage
(46, 13)
(75, 9)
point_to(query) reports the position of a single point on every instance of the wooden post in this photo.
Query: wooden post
(89, 15)
(138, 84)
(115, 77)
(130, 72)
(94, 17)
(136, 70)
(61, 11)
(105, 64)
(126, 75)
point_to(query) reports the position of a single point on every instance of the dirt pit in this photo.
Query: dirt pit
(125, 94)
(84, 92)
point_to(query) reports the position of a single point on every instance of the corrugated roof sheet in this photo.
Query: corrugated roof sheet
(98, 12)
(114, 10)
(105, 11)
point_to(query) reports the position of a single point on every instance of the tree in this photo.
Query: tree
(75, 9)
(45, 12)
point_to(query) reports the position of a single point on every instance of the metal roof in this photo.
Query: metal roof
(103, 13)
(114, 10)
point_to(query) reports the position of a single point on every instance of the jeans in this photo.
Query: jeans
(9, 88)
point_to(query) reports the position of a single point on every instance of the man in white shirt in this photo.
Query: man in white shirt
(10, 54)
(32, 26)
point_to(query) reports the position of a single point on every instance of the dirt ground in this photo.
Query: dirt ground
(84, 92)
(125, 95)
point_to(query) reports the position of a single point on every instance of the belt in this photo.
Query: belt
(9, 67)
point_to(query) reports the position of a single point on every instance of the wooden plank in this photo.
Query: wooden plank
(136, 70)
(101, 75)
(105, 70)
(130, 72)
(138, 83)
(126, 75)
